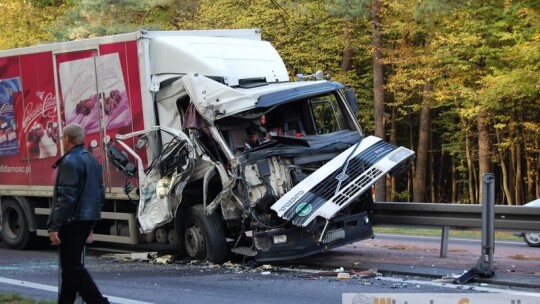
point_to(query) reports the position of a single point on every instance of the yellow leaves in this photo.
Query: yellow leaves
(25, 24)
(533, 127)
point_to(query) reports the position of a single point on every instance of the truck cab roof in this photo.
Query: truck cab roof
(232, 61)
(218, 100)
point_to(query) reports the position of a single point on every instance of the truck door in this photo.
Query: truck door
(80, 87)
(92, 85)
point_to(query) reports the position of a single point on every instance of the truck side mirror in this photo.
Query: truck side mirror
(350, 95)
(120, 161)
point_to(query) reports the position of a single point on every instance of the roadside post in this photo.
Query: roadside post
(488, 226)
(484, 265)
(444, 242)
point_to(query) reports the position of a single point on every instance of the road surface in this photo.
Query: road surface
(34, 274)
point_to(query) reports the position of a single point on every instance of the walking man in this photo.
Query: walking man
(78, 197)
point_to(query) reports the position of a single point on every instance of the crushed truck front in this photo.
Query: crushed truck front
(303, 169)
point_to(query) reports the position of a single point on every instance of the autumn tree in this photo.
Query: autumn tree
(475, 46)
(27, 23)
(94, 18)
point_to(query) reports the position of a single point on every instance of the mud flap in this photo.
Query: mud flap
(339, 182)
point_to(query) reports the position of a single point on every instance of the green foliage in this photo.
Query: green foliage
(403, 196)
(93, 18)
(350, 9)
(25, 23)
(476, 54)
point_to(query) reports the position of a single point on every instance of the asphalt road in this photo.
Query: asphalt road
(34, 274)
(509, 257)
(141, 282)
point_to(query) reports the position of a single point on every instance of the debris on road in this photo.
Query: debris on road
(133, 256)
(343, 275)
(266, 269)
(449, 278)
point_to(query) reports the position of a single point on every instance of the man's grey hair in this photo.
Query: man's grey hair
(75, 133)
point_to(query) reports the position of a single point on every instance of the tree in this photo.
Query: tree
(26, 23)
(352, 9)
(94, 18)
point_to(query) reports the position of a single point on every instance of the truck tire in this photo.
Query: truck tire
(15, 230)
(204, 236)
(532, 239)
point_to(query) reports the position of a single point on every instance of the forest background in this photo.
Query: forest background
(457, 81)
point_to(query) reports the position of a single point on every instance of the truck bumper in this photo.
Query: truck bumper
(301, 243)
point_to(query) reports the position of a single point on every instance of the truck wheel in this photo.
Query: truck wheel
(532, 239)
(204, 236)
(15, 230)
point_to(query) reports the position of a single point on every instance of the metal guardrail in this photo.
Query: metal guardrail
(515, 218)
(486, 216)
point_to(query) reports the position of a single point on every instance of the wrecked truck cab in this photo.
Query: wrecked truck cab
(279, 171)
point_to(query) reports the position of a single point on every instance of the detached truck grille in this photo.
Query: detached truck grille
(326, 193)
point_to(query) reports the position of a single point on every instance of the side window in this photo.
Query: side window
(327, 115)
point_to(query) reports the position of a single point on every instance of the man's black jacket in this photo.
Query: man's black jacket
(79, 193)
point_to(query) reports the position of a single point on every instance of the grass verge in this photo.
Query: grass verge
(15, 298)
(453, 233)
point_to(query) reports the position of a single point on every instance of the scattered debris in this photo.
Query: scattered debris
(449, 278)
(266, 269)
(343, 275)
(166, 259)
(399, 285)
(134, 256)
(366, 274)
(445, 279)
(142, 256)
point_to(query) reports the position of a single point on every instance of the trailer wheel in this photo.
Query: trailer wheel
(204, 236)
(15, 230)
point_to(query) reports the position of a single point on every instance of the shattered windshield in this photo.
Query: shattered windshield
(300, 120)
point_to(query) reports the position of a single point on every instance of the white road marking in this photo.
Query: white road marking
(29, 284)
(55, 289)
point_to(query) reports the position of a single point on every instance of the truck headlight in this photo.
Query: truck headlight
(400, 155)
(280, 239)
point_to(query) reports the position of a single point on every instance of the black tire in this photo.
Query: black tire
(15, 230)
(204, 236)
(179, 222)
(532, 239)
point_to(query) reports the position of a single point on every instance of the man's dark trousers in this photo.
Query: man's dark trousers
(75, 278)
